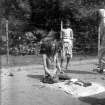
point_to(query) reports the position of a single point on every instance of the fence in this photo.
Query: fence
(18, 44)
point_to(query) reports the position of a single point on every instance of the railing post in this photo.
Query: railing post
(7, 42)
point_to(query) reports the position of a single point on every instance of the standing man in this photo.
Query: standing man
(67, 43)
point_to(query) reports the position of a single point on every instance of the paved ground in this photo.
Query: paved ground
(25, 88)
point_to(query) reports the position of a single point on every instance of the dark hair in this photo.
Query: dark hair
(48, 48)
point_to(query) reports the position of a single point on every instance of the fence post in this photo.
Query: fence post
(7, 42)
(61, 29)
(98, 41)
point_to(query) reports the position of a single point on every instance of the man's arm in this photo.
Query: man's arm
(58, 64)
(45, 65)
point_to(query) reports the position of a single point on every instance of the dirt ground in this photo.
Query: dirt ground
(25, 88)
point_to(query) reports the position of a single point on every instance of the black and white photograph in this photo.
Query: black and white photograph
(52, 52)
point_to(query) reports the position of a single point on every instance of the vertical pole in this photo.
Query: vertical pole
(61, 28)
(7, 40)
(98, 40)
(61, 25)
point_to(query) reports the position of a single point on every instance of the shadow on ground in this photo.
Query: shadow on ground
(39, 77)
(93, 100)
(79, 72)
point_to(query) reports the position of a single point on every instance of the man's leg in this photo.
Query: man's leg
(62, 57)
(62, 62)
(68, 60)
(69, 55)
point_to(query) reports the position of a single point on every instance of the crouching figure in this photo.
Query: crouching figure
(49, 51)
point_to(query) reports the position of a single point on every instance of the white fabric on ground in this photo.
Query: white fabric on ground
(78, 91)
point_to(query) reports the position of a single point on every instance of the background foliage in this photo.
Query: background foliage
(40, 16)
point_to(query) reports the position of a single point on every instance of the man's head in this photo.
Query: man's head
(49, 47)
(67, 24)
(52, 47)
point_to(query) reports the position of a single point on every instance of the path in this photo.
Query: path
(25, 88)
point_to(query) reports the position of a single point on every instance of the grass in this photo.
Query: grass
(34, 59)
(21, 60)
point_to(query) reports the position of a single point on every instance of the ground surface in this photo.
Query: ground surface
(25, 88)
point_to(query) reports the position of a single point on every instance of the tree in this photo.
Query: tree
(29, 15)
(46, 13)
(17, 12)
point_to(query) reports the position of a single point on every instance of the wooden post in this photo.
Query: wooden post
(61, 29)
(98, 40)
(61, 25)
(7, 42)
(102, 24)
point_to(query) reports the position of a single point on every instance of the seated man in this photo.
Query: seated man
(49, 51)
